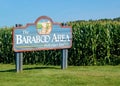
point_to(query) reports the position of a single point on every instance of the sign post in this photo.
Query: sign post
(19, 58)
(19, 61)
(44, 34)
(64, 58)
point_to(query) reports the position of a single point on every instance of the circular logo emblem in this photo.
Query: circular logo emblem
(44, 26)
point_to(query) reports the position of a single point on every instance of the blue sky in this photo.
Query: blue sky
(27, 11)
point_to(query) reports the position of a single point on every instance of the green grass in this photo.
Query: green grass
(38, 75)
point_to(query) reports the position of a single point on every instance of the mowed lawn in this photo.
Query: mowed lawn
(41, 75)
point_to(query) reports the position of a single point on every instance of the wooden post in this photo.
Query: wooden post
(64, 58)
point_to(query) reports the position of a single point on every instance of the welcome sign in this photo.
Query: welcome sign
(44, 34)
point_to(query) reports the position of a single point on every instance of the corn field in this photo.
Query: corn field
(94, 43)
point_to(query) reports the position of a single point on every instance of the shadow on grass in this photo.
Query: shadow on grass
(31, 68)
(10, 70)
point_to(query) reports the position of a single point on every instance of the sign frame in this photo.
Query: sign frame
(35, 23)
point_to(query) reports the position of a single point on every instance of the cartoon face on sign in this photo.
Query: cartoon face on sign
(44, 26)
